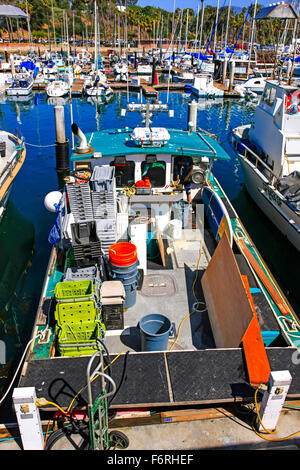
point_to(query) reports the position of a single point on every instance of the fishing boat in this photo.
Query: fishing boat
(21, 85)
(149, 289)
(57, 88)
(12, 157)
(252, 85)
(203, 87)
(268, 150)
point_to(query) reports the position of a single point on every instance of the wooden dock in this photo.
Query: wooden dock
(77, 87)
(227, 93)
(147, 88)
(39, 86)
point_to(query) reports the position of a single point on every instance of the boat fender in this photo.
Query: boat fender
(52, 200)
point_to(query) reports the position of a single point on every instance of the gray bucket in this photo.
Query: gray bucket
(128, 275)
(155, 330)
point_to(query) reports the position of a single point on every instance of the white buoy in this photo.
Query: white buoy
(51, 199)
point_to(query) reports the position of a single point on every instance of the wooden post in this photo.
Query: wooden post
(61, 143)
(224, 70)
(192, 116)
(231, 77)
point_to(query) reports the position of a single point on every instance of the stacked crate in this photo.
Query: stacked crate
(78, 322)
(112, 295)
(86, 244)
(104, 204)
(80, 201)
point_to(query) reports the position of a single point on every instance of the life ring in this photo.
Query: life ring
(291, 105)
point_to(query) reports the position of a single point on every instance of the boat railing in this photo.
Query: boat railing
(272, 176)
(10, 165)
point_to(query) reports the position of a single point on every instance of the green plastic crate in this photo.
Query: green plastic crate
(74, 290)
(79, 339)
(76, 312)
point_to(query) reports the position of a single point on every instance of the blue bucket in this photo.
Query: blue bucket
(155, 330)
(128, 275)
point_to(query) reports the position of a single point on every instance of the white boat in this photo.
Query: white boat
(21, 85)
(184, 77)
(98, 88)
(57, 88)
(252, 85)
(83, 56)
(12, 156)
(269, 152)
(144, 69)
(120, 68)
(203, 87)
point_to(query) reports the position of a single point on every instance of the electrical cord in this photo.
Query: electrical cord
(20, 363)
(196, 304)
(42, 402)
(268, 431)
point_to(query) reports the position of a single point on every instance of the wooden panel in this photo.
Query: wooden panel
(255, 353)
(227, 303)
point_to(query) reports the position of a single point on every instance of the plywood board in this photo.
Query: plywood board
(227, 303)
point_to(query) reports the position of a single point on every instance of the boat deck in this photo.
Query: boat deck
(194, 371)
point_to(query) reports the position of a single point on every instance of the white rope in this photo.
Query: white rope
(13, 379)
(41, 146)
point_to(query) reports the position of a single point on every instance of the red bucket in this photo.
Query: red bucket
(122, 254)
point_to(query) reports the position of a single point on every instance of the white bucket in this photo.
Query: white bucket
(175, 229)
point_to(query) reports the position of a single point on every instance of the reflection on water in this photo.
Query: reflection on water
(17, 242)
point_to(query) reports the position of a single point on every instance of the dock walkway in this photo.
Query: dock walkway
(77, 87)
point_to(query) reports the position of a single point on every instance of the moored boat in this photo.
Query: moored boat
(131, 254)
(268, 150)
(12, 157)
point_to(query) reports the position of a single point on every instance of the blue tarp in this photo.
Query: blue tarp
(27, 65)
(54, 235)
(36, 71)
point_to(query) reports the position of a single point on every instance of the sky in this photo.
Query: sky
(169, 4)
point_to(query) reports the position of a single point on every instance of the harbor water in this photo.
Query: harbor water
(26, 224)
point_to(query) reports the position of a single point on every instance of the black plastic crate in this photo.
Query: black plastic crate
(113, 316)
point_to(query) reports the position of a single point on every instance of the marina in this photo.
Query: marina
(153, 270)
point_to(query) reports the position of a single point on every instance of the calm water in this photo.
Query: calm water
(26, 225)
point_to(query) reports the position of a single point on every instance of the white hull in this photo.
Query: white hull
(271, 203)
(202, 93)
(19, 91)
(98, 91)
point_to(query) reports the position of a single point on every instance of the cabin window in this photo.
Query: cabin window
(124, 172)
(269, 95)
(155, 171)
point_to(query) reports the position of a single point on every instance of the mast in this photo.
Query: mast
(227, 24)
(196, 36)
(252, 31)
(28, 23)
(215, 36)
(201, 28)
(186, 28)
(96, 49)
(53, 25)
